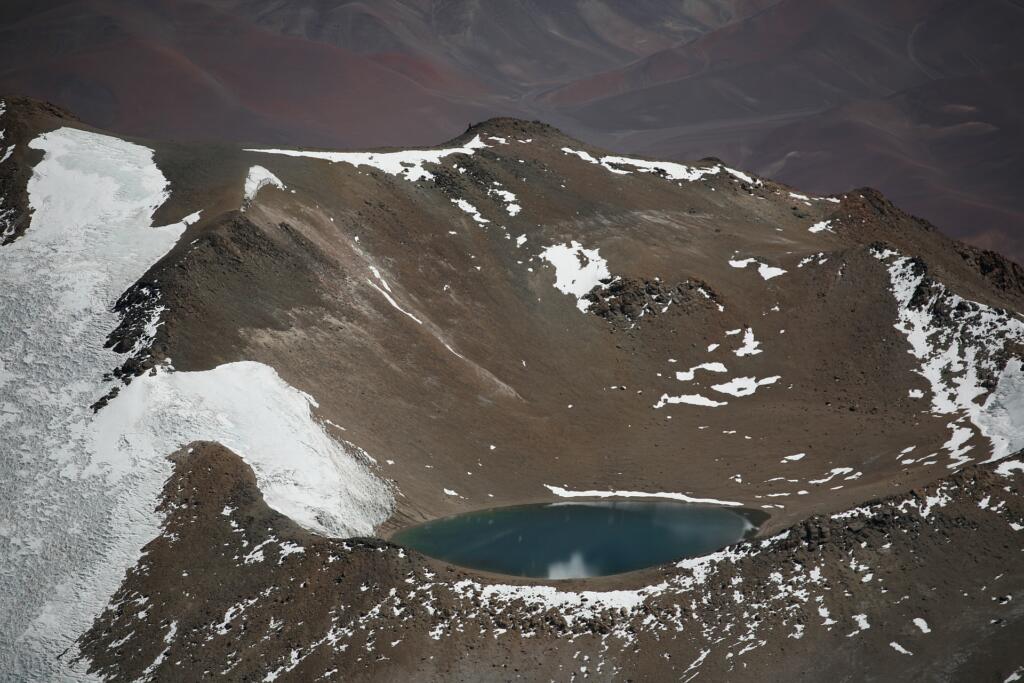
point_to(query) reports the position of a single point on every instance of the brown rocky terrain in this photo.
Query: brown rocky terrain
(254, 595)
(514, 314)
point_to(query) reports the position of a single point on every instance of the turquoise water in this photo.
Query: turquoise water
(578, 539)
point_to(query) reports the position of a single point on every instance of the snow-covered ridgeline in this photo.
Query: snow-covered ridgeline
(958, 341)
(405, 163)
(77, 490)
(671, 170)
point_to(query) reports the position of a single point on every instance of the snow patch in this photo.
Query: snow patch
(744, 386)
(688, 375)
(566, 493)
(408, 164)
(471, 210)
(957, 341)
(689, 399)
(669, 169)
(764, 270)
(750, 345)
(257, 179)
(301, 471)
(577, 270)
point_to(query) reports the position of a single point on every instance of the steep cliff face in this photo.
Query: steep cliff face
(379, 338)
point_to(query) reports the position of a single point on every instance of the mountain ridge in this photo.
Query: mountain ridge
(378, 338)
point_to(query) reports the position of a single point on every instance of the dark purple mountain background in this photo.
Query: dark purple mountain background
(919, 98)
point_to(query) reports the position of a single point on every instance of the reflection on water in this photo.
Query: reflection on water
(578, 539)
(572, 568)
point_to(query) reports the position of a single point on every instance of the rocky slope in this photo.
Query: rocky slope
(338, 344)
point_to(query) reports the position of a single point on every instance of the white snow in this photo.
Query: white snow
(899, 648)
(951, 355)
(821, 226)
(807, 200)
(688, 375)
(794, 457)
(385, 291)
(750, 345)
(78, 491)
(922, 624)
(68, 537)
(744, 386)
(833, 473)
(257, 179)
(690, 399)
(764, 270)
(1001, 418)
(509, 199)
(471, 210)
(1007, 467)
(408, 164)
(577, 270)
(302, 472)
(566, 493)
(819, 257)
(671, 170)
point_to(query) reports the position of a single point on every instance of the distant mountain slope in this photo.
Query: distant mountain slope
(920, 99)
(917, 98)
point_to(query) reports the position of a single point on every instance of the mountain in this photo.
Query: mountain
(918, 99)
(232, 373)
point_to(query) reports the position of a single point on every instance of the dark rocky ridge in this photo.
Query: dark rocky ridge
(23, 119)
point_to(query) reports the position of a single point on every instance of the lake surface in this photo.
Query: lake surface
(578, 539)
